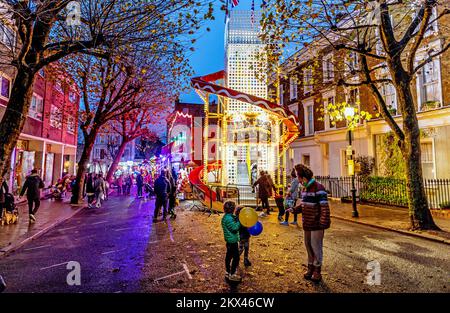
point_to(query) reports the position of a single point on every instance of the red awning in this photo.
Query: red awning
(167, 149)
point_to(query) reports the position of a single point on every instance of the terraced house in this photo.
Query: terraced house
(312, 79)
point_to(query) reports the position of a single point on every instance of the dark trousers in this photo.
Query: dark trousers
(281, 211)
(286, 218)
(244, 246)
(160, 202)
(36, 202)
(139, 190)
(172, 199)
(232, 257)
(2, 206)
(265, 204)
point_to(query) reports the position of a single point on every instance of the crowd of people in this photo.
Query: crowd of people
(312, 203)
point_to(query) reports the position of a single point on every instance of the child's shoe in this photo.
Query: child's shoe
(247, 262)
(280, 218)
(235, 277)
(294, 223)
(285, 223)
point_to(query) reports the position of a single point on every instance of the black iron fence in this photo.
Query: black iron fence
(386, 190)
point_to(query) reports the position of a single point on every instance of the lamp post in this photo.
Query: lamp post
(349, 113)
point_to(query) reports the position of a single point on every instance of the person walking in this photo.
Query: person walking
(100, 190)
(291, 199)
(32, 186)
(90, 189)
(162, 190)
(172, 193)
(119, 183)
(230, 226)
(3, 191)
(315, 218)
(264, 191)
(139, 184)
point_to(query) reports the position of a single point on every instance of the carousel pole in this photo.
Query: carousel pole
(206, 139)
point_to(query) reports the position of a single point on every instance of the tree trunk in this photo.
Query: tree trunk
(116, 161)
(14, 118)
(419, 212)
(77, 194)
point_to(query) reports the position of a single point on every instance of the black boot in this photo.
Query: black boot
(316, 276)
(247, 262)
(310, 272)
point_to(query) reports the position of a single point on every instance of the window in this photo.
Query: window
(307, 80)
(36, 107)
(352, 62)
(328, 68)
(353, 97)
(58, 87)
(293, 88)
(55, 117)
(327, 119)
(306, 160)
(5, 86)
(427, 159)
(7, 36)
(71, 124)
(72, 97)
(432, 24)
(294, 110)
(309, 119)
(429, 90)
(390, 97)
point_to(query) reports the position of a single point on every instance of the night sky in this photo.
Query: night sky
(209, 53)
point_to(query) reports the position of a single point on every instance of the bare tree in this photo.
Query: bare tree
(39, 33)
(387, 36)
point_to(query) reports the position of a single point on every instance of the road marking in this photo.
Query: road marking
(187, 271)
(35, 248)
(113, 251)
(99, 223)
(171, 275)
(127, 228)
(59, 264)
(67, 228)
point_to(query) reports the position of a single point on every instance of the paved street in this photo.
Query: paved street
(120, 250)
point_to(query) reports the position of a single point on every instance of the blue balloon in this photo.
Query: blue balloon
(256, 229)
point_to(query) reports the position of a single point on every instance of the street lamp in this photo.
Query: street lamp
(349, 113)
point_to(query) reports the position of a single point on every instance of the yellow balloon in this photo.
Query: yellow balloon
(248, 217)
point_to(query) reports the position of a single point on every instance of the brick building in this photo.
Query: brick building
(48, 141)
(310, 83)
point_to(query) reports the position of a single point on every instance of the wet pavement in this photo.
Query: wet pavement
(119, 249)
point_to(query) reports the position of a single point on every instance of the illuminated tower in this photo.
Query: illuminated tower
(250, 135)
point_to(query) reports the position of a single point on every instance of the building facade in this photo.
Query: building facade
(48, 140)
(311, 83)
(103, 151)
(184, 134)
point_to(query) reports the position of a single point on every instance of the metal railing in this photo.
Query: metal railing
(387, 190)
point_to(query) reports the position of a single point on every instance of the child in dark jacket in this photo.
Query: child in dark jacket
(231, 226)
(244, 240)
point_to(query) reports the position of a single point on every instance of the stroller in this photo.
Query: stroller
(10, 213)
(149, 190)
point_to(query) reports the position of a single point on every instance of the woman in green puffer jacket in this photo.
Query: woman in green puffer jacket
(230, 226)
